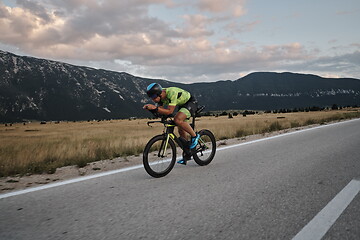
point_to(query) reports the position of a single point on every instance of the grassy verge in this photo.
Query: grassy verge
(36, 148)
(266, 123)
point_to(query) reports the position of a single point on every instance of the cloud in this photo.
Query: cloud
(34, 7)
(355, 11)
(103, 30)
(344, 65)
(123, 36)
(235, 27)
(17, 24)
(195, 26)
(214, 63)
(234, 7)
(76, 22)
(122, 32)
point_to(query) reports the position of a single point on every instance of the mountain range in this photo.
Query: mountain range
(40, 89)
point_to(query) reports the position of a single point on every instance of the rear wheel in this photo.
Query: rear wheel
(205, 151)
(158, 157)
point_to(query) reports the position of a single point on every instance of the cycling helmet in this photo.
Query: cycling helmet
(154, 90)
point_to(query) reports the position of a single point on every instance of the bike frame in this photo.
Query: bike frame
(169, 133)
(160, 152)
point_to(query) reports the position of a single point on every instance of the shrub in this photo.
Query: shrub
(240, 133)
(294, 124)
(310, 121)
(275, 126)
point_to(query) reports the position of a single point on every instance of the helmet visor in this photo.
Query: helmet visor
(153, 96)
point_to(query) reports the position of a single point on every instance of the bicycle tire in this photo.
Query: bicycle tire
(206, 147)
(155, 165)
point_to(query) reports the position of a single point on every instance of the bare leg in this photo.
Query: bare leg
(182, 133)
(184, 126)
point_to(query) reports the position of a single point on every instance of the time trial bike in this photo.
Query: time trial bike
(159, 155)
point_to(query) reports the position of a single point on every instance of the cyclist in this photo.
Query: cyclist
(173, 97)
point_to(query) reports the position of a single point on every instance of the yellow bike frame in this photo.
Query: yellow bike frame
(169, 135)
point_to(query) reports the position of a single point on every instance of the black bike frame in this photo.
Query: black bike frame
(170, 127)
(169, 133)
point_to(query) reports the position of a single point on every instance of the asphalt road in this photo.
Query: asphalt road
(270, 189)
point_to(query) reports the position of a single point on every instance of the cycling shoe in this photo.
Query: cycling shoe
(182, 161)
(194, 141)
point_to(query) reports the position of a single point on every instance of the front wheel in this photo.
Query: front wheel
(205, 151)
(159, 156)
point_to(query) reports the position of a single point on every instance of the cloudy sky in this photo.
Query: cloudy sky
(188, 40)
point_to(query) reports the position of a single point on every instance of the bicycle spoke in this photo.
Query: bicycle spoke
(206, 149)
(159, 156)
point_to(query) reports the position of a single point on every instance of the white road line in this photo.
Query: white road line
(75, 180)
(322, 222)
(80, 179)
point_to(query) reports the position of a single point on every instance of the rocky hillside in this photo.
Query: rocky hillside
(39, 89)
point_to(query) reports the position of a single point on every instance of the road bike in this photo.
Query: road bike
(159, 155)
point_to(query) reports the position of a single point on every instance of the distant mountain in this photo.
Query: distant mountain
(38, 89)
(269, 91)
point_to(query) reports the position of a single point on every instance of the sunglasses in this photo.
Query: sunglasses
(154, 96)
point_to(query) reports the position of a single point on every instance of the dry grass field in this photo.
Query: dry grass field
(38, 148)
